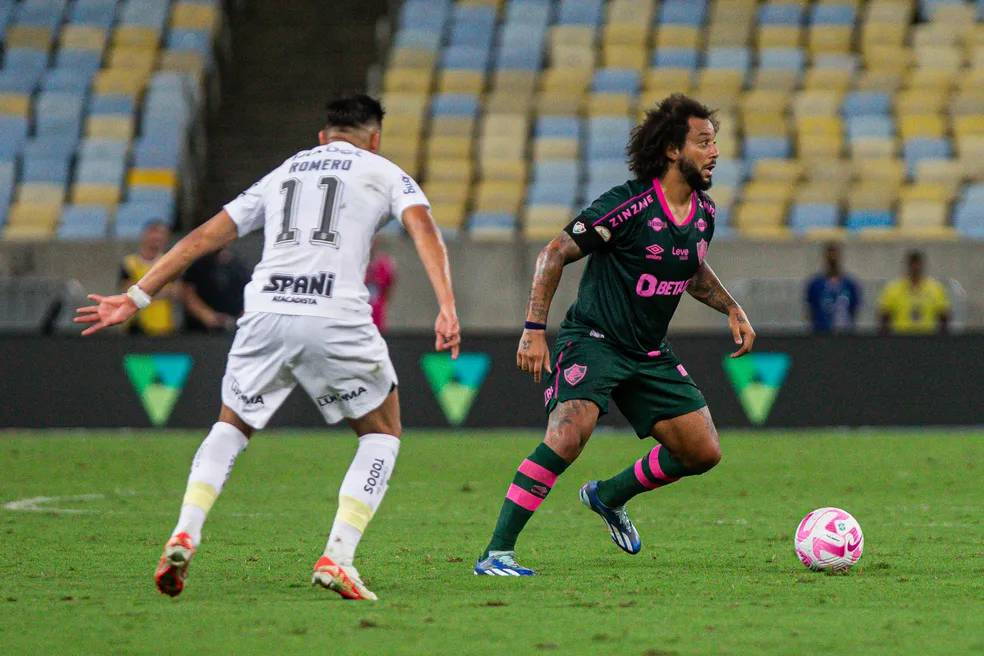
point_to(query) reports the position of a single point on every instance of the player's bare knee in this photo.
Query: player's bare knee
(704, 458)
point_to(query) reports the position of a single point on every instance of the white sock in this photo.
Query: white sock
(361, 493)
(209, 470)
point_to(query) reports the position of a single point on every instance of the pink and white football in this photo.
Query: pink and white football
(829, 540)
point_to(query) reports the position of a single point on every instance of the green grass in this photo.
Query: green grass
(717, 574)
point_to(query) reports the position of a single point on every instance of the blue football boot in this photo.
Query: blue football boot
(501, 563)
(624, 533)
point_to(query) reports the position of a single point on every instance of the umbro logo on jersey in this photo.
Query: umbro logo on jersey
(655, 252)
(315, 284)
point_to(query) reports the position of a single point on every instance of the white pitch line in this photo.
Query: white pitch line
(39, 504)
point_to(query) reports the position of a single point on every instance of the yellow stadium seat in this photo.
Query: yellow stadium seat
(132, 57)
(457, 169)
(141, 177)
(889, 33)
(509, 101)
(505, 125)
(831, 172)
(501, 148)
(452, 126)
(889, 10)
(397, 125)
(407, 79)
(948, 172)
(413, 58)
(767, 191)
(553, 103)
(573, 56)
(404, 151)
(765, 124)
(828, 78)
(507, 170)
(455, 80)
(508, 80)
(545, 221)
(40, 192)
(955, 16)
(970, 146)
(572, 35)
(822, 39)
(409, 103)
(719, 80)
(625, 34)
(723, 196)
(823, 146)
(938, 192)
(919, 102)
(566, 79)
(933, 34)
(136, 36)
(499, 196)
(106, 195)
(887, 58)
(948, 58)
(728, 145)
(33, 219)
(819, 192)
(919, 214)
(185, 61)
(121, 81)
(727, 34)
(610, 104)
(968, 125)
(194, 16)
(16, 104)
(885, 172)
(449, 215)
(83, 37)
(787, 171)
(677, 36)
(921, 125)
(763, 101)
(874, 147)
(869, 195)
(446, 192)
(28, 36)
(818, 124)
(817, 102)
(777, 79)
(112, 126)
(668, 80)
(778, 36)
(630, 11)
(555, 148)
(930, 80)
(733, 11)
(448, 146)
(879, 80)
(754, 216)
(622, 56)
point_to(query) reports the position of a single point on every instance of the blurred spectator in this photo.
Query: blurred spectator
(160, 317)
(914, 304)
(832, 297)
(380, 279)
(212, 291)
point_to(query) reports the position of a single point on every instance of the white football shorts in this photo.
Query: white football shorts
(345, 369)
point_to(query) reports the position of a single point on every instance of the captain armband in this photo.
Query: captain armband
(588, 237)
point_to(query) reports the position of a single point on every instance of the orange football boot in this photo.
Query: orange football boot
(172, 570)
(342, 579)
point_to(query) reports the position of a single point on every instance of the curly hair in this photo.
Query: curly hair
(664, 127)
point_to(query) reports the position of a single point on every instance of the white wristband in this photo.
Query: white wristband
(139, 297)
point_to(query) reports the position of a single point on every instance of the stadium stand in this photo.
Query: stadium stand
(498, 105)
(100, 103)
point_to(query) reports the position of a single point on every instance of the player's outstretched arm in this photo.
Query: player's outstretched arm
(206, 238)
(426, 237)
(533, 354)
(707, 289)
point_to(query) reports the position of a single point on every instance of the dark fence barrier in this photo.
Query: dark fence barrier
(787, 382)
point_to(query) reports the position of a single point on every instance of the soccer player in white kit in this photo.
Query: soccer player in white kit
(307, 320)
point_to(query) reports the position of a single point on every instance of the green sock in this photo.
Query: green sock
(656, 469)
(531, 484)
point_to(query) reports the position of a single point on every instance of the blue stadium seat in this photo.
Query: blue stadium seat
(557, 126)
(873, 125)
(425, 16)
(13, 134)
(603, 175)
(861, 103)
(674, 58)
(83, 222)
(420, 39)
(6, 188)
(805, 216)
(780, 14)
(148, 194)
(551, 193)
(782, 58)
(146, 13)
(101, 13)
(475, 15)
(756, 148)
(728, 173)
(528, 12)
(85, 61)
(917, 149)
(846, 61)
(579, 12)
(111, 104)
(199, 41)
(526, 59)
(98, 149)
(968, 215)
(521, 34)
(556, 171)
(132, 216)
(616, 80)
(26, 59)
(606, 137)
(478, 35)
(51, 147)
(58, 112)
(6, 14)
(454, 104)
(831, 14)
(728, 58)
(151, 154)
(863, 219)
(40, 13)
(468, 57)
(53, 170)
(682, 12)
(492, 222)
(65, 79)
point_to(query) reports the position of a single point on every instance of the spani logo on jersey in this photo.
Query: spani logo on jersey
(293, 288)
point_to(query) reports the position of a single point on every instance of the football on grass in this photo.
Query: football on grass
(829, 540)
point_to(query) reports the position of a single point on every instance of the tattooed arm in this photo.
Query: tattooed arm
(533, 355)
(707, 289)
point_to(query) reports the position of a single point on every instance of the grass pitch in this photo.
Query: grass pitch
(717, 573)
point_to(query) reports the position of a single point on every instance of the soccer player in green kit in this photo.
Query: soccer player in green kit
(646, 240)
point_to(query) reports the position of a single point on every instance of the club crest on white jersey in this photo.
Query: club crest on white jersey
(319, 211)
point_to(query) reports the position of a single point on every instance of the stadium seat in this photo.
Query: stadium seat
(811, 216)
(490, 226)
(83, 222)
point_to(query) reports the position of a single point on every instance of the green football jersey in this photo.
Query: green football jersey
(640, 263)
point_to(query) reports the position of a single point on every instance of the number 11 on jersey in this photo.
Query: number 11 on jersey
(324, 233)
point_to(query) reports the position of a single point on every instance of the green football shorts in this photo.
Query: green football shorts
(646, 391)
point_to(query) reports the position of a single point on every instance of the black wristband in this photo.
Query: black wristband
(532, 325)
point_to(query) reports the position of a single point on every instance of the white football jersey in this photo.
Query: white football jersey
(319, 211)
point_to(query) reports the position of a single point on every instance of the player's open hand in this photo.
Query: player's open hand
(111, 310)
(533, 354)
(741, 330)
(448, 332)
